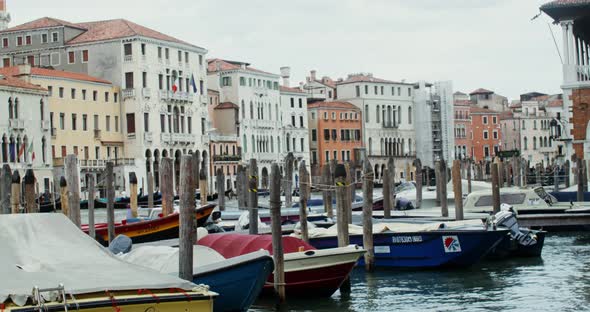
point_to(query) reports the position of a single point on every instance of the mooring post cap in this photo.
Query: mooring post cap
(29, 177)
(15, 177)
(63, 182)
(132, 178)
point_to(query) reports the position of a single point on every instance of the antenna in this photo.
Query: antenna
(555, 42)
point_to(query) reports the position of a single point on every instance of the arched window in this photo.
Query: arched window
(245, 144)
(534, 143)
(10, 109)
(410, 146)
(16, 108)
(382, 146)
(370, 146)
(251, 110)
(12, 149)
(288, 143)
(44, 150)
(253, 144)
(377, 114)
(42, 109)
(545, 142)
(176, 120)
(550, 141)
(4, 155)
(243, 110)
(366, 113)
(272, 145)
(279, 143)
(410, 115)
(526, 144)
(389, 116)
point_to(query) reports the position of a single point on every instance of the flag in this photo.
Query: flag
(194, 83)
(174, 82)
(31, 150)
(21, 151)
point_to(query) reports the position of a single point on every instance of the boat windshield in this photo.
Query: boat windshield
(545, 196)
(404, 186)
(511, 199)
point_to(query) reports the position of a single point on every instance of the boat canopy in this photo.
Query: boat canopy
(232, 245)
(45, 250)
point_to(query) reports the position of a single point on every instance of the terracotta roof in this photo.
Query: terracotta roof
(479, 110)
(226, 105)
(9, 81)
(289, 89)
(224, 65)
(43, 22)
(459, 93)
(363, 78)
(506, 115)
(118, 28)
(327, 82)
(37, 71)
(540, 98)
(480, 91)
(334, 104)
(462, 102)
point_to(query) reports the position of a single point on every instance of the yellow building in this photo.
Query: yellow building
(84, 115)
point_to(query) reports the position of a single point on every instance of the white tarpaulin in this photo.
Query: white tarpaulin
(45, 250)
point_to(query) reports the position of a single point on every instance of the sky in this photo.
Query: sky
(491, 44)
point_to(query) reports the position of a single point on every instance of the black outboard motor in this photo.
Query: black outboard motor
(507, 218)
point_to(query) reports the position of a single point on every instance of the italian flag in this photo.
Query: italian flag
(31, 150)
(175, 85)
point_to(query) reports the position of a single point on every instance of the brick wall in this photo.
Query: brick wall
(581, 115)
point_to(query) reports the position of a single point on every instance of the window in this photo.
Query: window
(84, 122)
(381, 90)
(130, 123)
(292, 120)
(335, 155)
(106, 96)
(486, 151)
(534, 124)
(31, 60)
(358, 91)
(485, 134)
(128, 49)
(300, 103)
(55, 61)
(410, 115)
(167, 53)
(159, 52)
(327, 156)
(28, 40)
(179, 56)
(327, 134)
(19, 41)
(5, 42)
(54, 36)
(366, 89)
(301, 121)
(485, 120)
(314, 135)
(108, 123)
(200, 59)
(333, 116)
(144, 79)
(343, 155)
(534, 143)
(190, 125)
(162, 123)
(225, 82)
(62, 121)
(73, 121)
(292, 102)
(44, 38)
(146, 122)
(366, 113)
(242, 81)
(143, 49)
(376, 88)
(71, 57)
(6, 62)
(96, 127)
(73, 94)
(494, 120)
(495, 133)
(409, 91)
(186, 57)
(334, 134)
(61, 92)
(50, 89)
(95, 95)
(377, 113)
(84, 56)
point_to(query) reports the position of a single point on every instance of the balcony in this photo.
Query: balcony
(166, 138)
(148, 137)
(224, 138)
(163, 94)
(227, 158)
(100, 164)
(204, 100)
(128, 93)
(45, 125)
(183, 138)
(390, 125)
(97, 134)
(128, 58)
(16, 124)
(146, 92)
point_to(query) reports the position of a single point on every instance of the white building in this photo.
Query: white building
(144, 63)
(25, 130)
(388, 128)
(434, 122)
(323, 90)
(294, 124)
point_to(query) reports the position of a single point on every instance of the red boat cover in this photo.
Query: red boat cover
(232, 245)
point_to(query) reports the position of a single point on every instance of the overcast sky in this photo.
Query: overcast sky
(475, 43)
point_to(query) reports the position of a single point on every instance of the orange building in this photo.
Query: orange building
(335, 132)
(485, 133)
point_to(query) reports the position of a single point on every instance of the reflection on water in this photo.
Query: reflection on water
(560, 281)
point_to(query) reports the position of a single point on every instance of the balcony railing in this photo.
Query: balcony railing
(17, 124)
(148, 137)
(128, 58)
(146, 92)
(165, 138)
(390, 125)
(97, 134)
(45, 125)
(128, 93)
(204, 99)
(227, 158)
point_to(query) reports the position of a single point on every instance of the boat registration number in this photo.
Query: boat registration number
(382, 249)
(406, 239)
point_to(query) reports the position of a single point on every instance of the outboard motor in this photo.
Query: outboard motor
(507, 218)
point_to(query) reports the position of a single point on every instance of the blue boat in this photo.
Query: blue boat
(238, 281)
(425, 249)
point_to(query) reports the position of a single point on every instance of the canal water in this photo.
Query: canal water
(558, 281)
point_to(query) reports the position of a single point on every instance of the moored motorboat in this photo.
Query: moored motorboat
(149, 230)
(39, 274)
(308, 271)
(238, 281)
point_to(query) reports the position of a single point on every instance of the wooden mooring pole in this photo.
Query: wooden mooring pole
(253, 196)
(495, 188)
(241, 187)
(277, 234)
(187, 218)
(73, 178)
(469, 176)
(150, 190)
(5, 181)
(348, 194)
(91, 191)
(327, 193)
(304, 191)
(30, 204)
(110, 190)
(133, 193)
(342, 225)
(391, 177)
(443, 188)
(288, 185)
(386, 194)
(219, 177)
(166, 188)
(15, 192)
(458, 189)
(368, 214)
(63, 194)
(580, 179)
(203, 186)
(418, 165)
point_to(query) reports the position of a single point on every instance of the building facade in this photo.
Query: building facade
(146, 65)
(25, 130)
(486, 133)
(323, 90)
(462, 129)
(335, 130)
(225, 149)
(484, 98)
(388, 118)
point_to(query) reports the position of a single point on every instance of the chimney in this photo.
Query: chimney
(312, 72)
(24, 72)
(286, 74)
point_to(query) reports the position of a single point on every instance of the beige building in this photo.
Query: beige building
(84, 119)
